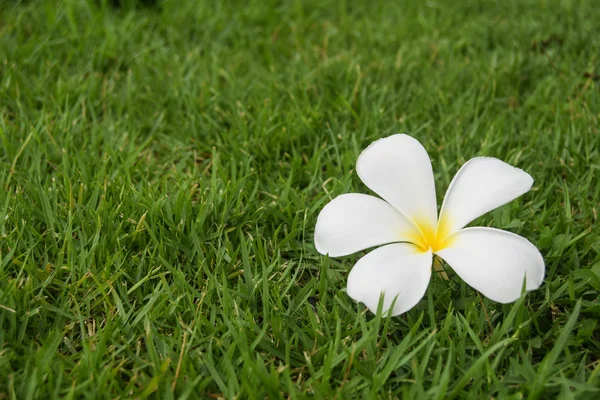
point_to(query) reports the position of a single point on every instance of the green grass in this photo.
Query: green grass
(162, 167)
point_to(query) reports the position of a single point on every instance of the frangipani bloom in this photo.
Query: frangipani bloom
(398, 169)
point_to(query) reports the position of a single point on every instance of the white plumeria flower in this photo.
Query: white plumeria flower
(397, 168)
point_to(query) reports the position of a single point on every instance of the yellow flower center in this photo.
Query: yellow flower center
(431, 237)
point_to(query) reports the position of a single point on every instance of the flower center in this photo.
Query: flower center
(431, 237)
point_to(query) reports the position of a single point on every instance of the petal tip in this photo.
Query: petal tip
(377, 142)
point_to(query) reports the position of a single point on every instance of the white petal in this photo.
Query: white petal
(494, 262)
(482, 184)
(398, 271)
(353, 222)
(399, 170)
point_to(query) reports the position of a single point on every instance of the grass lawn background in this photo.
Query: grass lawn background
(162, 167)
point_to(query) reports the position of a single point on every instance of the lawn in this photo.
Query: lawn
(162, 166)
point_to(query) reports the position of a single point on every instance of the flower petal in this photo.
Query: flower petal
(399, 170)
(353, 222)
(482, 184)
(398, 271)
(494, 262)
